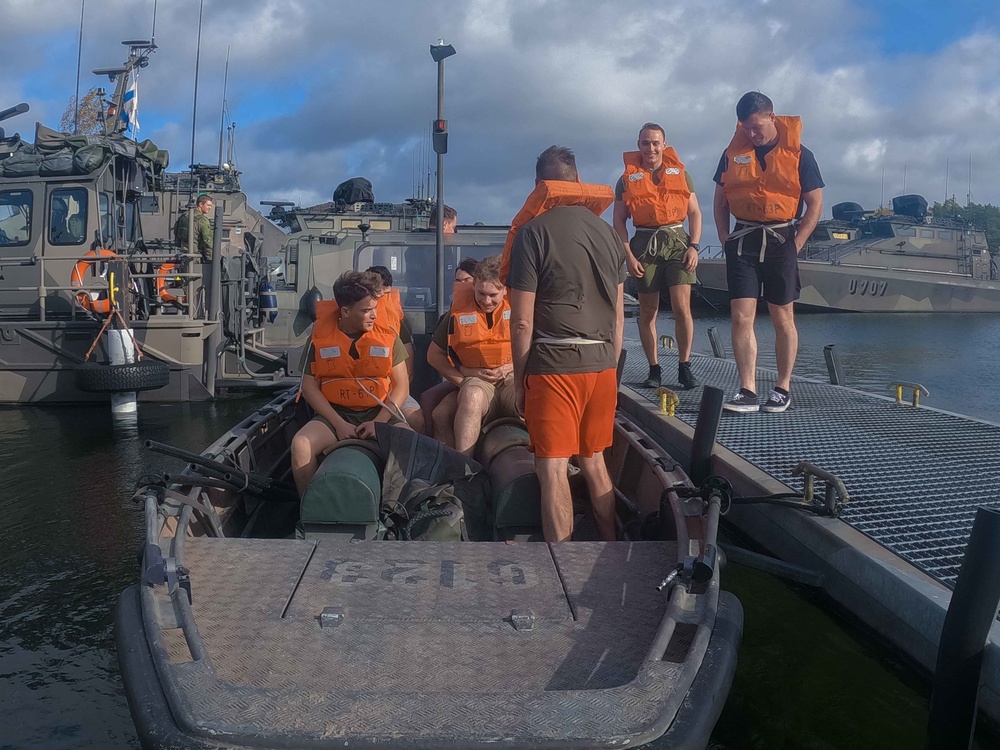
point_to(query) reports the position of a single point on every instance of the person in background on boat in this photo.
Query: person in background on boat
(356, 373)
(657, 193)
(764, 178)
(471, 349)
(203, 233)
(410, 407)
(567, 318)
(450, 222)
(466, 270)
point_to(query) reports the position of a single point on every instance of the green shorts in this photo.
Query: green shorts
(666, 268)
(354, 416)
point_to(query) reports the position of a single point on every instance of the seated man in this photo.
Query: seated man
(356, 374)
(410, 408)
(471, 348)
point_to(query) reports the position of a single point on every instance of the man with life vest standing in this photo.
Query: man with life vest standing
(356, 374)
(657, 193)
(203, 233)
(471, 349)
(764, 178)
(567, 318)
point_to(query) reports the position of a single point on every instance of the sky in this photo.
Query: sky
(325, 90)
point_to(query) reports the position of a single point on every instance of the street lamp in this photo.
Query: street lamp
(439, 52)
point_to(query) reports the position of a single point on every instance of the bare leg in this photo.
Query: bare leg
(307, 445)
(443, 419)
(602, 494)
(649, 305)
(786, 341)
(473, 403)
(680, 304)
(743, 311)
(557, 503)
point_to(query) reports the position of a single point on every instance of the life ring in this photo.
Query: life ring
(162, 282)
(95, 302)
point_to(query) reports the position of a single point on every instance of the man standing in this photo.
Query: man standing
(203, 235)
(567, 319)
(658, 193)
(763, 180)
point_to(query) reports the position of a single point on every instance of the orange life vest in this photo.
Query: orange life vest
(474, 342)
(390, 306)
(549, 194)
(95, 302)
(164, 279)
(354, 383)
(649, 204)
(772, 194)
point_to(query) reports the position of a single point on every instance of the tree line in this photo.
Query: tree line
(983, 216)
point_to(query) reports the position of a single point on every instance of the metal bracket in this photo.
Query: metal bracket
(667, 341)
(331, 617)
(668, 401)
(917, 391)
(835, 491)
(523, 620)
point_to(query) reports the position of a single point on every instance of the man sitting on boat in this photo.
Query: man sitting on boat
(471, 348)
(356, 375)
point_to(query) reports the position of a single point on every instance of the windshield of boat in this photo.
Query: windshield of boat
(15, 217)
(414, 268)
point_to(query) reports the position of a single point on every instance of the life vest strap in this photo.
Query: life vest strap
(569, 340)
(656, 234)
(749, 227)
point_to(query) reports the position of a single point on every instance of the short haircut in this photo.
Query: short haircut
(450, 214)
(488, 270)
(556, 163)
(354, 286)
(652, 126)
(468, 265)
(204, 198)
(384, 273)
(751, 103)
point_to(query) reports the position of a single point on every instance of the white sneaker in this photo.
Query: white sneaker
(776, 402)
(742, 402)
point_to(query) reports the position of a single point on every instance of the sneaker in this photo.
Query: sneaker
(743, 401)
(653, 379)
(686, 377)
(776, 402)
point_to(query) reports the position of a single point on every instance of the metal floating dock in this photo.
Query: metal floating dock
(915, 478)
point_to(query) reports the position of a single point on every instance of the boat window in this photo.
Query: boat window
(820, 234)
(132, 227)
(104, 205)
(906, 232)
(946, 234)
(68, 216)
(414, 270)
(15, 217)
(927, 233)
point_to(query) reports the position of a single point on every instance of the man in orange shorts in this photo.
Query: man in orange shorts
(567, 317)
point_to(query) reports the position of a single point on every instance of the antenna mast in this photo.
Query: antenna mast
(79, 59)
(197, 65)
(222, 119)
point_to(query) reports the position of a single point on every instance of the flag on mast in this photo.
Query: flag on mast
(130, 104)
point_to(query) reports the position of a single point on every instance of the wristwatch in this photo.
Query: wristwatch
(695, 245)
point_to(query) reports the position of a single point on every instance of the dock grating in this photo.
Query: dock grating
(915, 476)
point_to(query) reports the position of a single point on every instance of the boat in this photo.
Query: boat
(353, 620)
(76, 211)
(902, 260)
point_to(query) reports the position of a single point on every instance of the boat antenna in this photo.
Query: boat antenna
(79, 60)
(222, 119)
(947, 165)
(904, 177)
(152, 31)
(881, 197)
(968, 198)
(197, 65)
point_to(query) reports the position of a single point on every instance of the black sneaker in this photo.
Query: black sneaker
(743, 401)
(686, 377)
(653, 379)
(776, 402)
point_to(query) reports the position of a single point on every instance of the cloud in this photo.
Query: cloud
(322, 92)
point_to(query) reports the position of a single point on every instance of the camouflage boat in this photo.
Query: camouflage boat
(78, 211)
(377, 614)
(904, 261)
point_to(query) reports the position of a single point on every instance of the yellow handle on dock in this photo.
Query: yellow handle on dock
(667, 341)
(917, 390)
(668, 401)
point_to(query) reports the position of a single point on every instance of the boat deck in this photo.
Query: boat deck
(372, 637)
(915, 475)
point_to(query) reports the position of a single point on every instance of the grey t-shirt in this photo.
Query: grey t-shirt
(574, 262)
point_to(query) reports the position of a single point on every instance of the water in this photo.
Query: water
(807, 676)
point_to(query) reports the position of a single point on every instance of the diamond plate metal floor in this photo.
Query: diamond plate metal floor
(915, 476)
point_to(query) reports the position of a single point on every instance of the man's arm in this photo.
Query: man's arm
(315, 398)
(522, 326)
(399, 389)
(619, 322)
(620, 216)
(438, 359)
(814, 207)
(721, 212)
(694, 231)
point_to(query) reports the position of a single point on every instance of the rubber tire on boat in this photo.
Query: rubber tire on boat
(144, 375)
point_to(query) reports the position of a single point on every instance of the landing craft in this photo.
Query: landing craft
(878, 261)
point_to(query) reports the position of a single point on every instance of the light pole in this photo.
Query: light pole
(439, 52)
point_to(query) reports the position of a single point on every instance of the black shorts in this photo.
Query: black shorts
(776, 279)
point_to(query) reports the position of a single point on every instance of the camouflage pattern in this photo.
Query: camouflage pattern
(203, 234)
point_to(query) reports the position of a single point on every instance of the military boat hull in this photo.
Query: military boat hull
(856, 288)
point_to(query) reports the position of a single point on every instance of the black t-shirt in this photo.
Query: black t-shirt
(809, 177)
